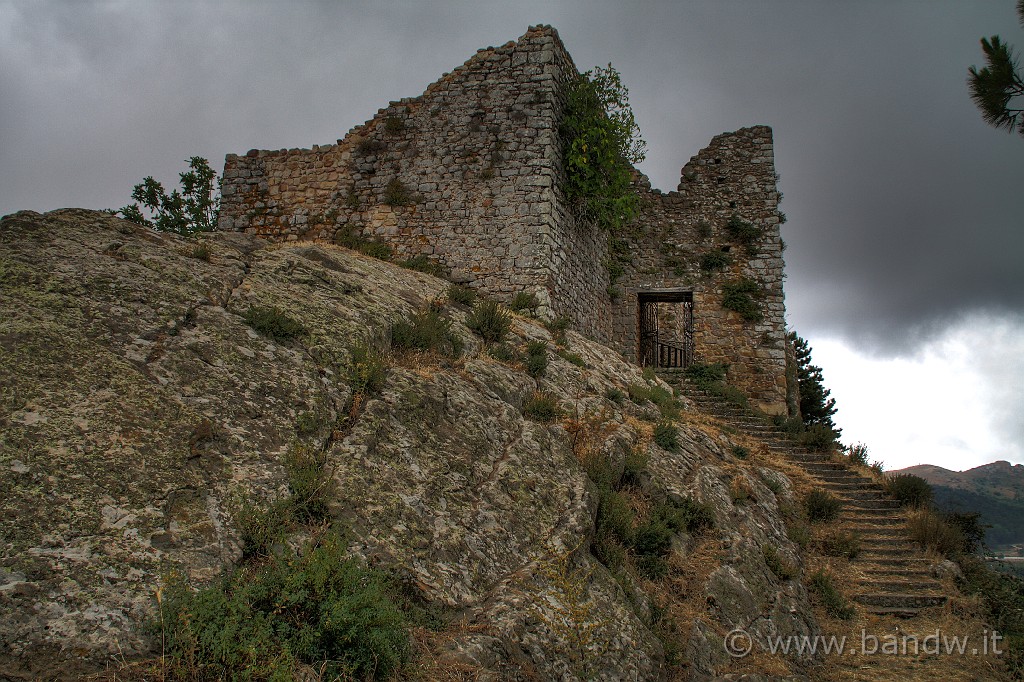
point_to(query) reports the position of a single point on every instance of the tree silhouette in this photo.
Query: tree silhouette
(995, 87)
(816, 407)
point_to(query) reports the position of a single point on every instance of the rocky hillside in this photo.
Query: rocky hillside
(176, 410)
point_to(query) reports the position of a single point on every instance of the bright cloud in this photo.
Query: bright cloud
(956, 403)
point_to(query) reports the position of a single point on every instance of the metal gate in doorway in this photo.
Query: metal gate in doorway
(664, 345)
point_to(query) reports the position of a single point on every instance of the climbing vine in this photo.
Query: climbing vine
(600, 142)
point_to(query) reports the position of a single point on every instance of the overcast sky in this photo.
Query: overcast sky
(906, 212)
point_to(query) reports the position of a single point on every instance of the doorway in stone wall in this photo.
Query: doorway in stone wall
(665, 328)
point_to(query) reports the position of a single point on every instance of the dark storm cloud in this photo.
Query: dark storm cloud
(905, 209)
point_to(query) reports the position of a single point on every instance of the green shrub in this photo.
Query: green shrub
(653, 540)
(909, 490)
(929, 529)
(685, 515)
(615, 515)
(573, 358)
(713, 261)
(260, 527)
(307, 423)
(457, 293)
(524, 300)
(273, 323)
(799, 533)
(367, 369)
(639, 393)
(421, 263)
(536, 362)
(369, 147)
(490, 321)
(502, 352)
(742, 231)
(741, 296)
(822, 506)
(393, 124)
(316, 610)
(740, 452)
(348, 237)
(375, 249)
(840, 543)
(427, 330)
(309, 485)
(818, 437)
(970, 526)
(615, 395)
(704, 376)
(633, 466)
(397, 194)
(1003, 598)
(824, 589)
(557, 328)
(200, 251)
(541, 407)
(666, 435)
(783, 570)
(858, 454)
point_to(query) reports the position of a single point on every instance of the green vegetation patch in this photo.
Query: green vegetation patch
(742, 231)
(536, 362)
(713, 261)
(742, 296)
(524, 301)
(273, 323)
(909, 490)
(421, 263)
(489, 321)
(460, 294)
(821, 506)
(541, 407)
(268, 620)
(427, 330)
(824, 590)
(666, 435)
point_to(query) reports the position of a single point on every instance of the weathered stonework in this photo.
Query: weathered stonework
(470, 175)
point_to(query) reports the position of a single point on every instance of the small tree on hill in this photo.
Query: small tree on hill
(998, 89)
(193, 209)
(816, 407)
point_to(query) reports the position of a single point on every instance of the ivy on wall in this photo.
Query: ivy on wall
(600, 143)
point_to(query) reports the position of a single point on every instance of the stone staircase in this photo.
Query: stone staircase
(896, 579)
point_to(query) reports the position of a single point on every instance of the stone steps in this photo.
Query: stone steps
(899, 584)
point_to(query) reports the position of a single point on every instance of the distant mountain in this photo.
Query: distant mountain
(995, 490)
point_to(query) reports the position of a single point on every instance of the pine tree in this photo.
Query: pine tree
(816, 407)
(996, 86)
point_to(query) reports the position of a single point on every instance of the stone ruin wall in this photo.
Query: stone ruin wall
(477, 153)
(735, 174)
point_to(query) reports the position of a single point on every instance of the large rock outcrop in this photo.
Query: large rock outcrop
(140, 412)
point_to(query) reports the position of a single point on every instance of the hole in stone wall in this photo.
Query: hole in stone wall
(725, 249)
(720, 179)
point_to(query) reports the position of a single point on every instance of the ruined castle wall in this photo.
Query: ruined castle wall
(463, 174)
(734, 175)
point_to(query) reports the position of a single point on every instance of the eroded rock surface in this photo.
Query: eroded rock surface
(139, 410)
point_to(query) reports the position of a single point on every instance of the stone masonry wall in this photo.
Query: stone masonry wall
(463, 174)
(734, 175)
(469, 175)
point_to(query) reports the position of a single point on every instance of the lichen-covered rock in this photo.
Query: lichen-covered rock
(140, 412)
